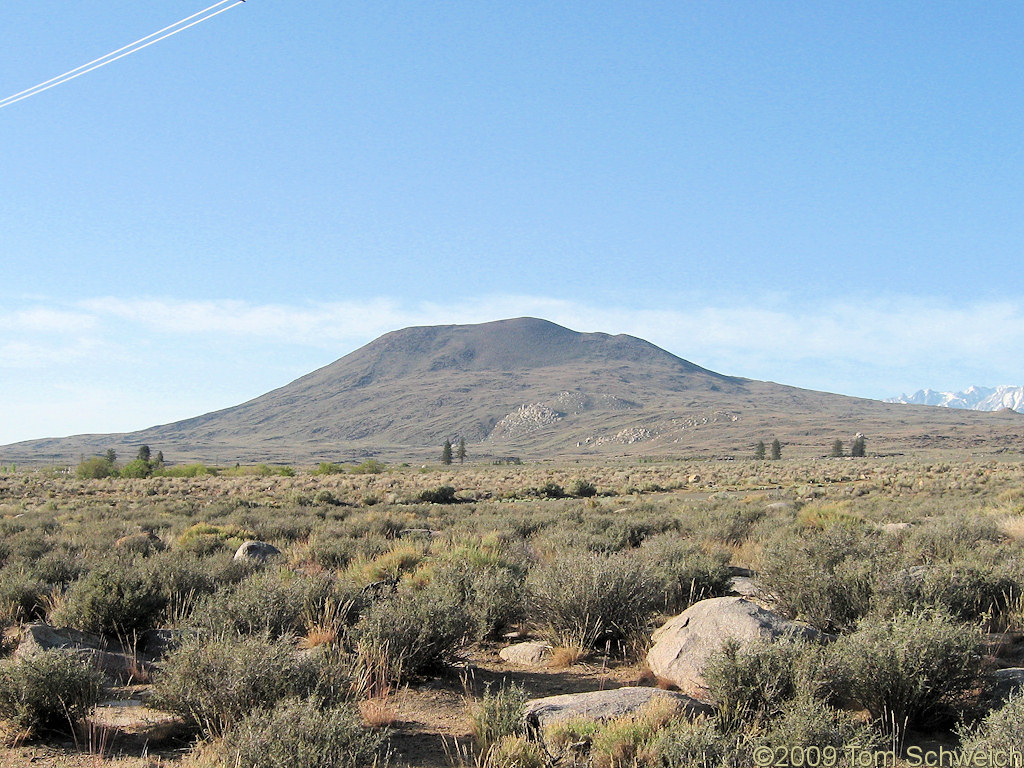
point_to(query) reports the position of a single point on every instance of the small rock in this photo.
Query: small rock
(256, 551)
(604, 705)
(1005, 682)
(39, 638)
(529, 654)
(745, 586)
(894, 527)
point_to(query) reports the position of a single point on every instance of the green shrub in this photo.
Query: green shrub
(137, 469)
(329, 468)
(215, 682)
(822, 577)
(912, 668)
(369, 467)
(807, 722)
(586, 600)
(272, 601)
(1001, 730)
(184, 579)
(967, 591)
(22, 597)
(443, 494)
(551, 490)
(952, 538)
(412, 633)
(185, 470)
(749, 683)
(493, 594)
(685, 572)
(115, 598)
(303, 733)
(49, 691)
(690, 744)
(582, 488)
(96, 468)
(206, 538)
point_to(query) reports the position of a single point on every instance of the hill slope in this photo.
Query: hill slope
(531, 388)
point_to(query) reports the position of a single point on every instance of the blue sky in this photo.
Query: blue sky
(822, 194)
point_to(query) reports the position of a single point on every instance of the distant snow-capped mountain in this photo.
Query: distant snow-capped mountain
(972, 398)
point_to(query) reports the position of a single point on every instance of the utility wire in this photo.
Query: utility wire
(113, 56)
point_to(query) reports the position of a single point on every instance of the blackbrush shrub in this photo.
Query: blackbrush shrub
(690, 744)
(956, 537)
(586, 600)
(685, 571)
(304, 733)
(750, 683)
(213, 682)
(967, 591)
(49, 691)
(914, 668)
(551, 490)
(412, 633)
(22, 596)
(272, 601)
(582, 488)
(443, 494)
(493, 594)
(823, 577)
(1001, 730)
(116, 598)
(806, 721)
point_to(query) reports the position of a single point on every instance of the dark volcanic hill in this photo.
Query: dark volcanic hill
(530, 388)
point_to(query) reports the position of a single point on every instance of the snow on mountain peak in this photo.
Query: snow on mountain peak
(973, 398)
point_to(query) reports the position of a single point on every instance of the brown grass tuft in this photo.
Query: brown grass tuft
(567, 655)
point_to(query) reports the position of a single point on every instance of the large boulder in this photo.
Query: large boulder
(256, 551)
(529, 654)
(684, 644)
(604, 705)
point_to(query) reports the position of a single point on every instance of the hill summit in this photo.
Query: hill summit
(530, 388)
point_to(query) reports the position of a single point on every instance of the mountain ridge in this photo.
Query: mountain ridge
(526, 386)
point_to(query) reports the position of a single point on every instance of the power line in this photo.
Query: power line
(120, 53)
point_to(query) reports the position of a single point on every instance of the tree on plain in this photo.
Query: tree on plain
(460, 451)
(776, 449)
(110, 456)
(446, 453)
(837, 449)
(760, 451)
(859, 447)
(144, 453)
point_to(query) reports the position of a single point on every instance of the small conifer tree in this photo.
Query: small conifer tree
(460, 451)
(446, 453)
(759, 450)
(776, 449)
